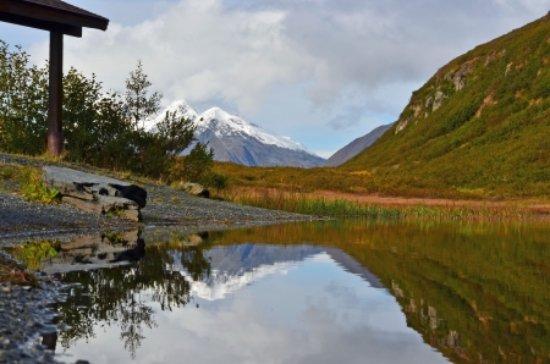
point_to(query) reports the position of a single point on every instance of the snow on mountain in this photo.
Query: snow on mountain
(238, 266)
(236, 140)
(226, 124)
(235, 267)
(180, 107)
(221, 284)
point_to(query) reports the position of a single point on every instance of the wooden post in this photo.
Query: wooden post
(55, 133)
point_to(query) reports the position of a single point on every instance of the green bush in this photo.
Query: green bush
(195, 167)
(215, 180)
(33, 188)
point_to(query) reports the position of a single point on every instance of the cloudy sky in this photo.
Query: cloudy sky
(320, 71)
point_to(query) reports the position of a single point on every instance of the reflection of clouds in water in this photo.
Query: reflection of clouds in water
(237, 266)
(374, 309)
(241, 329)
(287, 305)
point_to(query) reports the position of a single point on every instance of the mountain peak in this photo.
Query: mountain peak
(228, 124)
(357, 146)
(180, 107)
(236, 140)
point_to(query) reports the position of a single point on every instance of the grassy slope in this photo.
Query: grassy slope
(489, 138)
(493, 134)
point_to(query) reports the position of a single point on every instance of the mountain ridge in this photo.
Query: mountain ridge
(356, 146)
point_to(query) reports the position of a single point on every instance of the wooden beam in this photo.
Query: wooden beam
(52, 15)
(72, 30)
(55, 134)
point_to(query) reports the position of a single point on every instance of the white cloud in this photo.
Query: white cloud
(358, 55)
(196, 50)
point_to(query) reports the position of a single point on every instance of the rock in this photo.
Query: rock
(95, 193)
(402, 124)
(194, 189)
(96, 251)
(438, 100)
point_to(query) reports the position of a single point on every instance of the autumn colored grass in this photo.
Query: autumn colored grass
(330, 204)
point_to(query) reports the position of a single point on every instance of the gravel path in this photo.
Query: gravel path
(168, 205)
(165, 206)
(20, 219)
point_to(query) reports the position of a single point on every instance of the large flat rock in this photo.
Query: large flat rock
(68, 176)
(96, 193)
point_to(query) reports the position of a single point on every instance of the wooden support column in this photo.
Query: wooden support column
(55, 133)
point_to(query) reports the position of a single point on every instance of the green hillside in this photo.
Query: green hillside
(480, 125)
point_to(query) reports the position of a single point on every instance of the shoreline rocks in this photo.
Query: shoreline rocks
(96, 194)
(194, 189)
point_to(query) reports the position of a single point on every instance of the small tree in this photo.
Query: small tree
(199, 162)
(195, 166)
(175, 132)
(139, 104)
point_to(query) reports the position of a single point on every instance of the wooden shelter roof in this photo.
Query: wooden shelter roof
(52, 15)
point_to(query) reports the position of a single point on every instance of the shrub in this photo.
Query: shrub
(215, 180)
(33, 188)
(195, 167)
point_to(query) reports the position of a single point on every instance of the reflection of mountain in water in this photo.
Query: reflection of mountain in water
(353, 266)
(120, 279)
(234, 267)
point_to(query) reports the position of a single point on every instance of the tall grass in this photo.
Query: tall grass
(310, 204)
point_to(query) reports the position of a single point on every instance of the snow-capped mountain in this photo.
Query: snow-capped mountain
(180, 107)
(234, 267)
(236, 140)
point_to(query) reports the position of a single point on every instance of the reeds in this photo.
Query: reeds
(310, 204)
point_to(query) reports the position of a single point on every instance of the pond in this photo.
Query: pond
(323, 292)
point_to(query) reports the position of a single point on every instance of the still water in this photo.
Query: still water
(330, 292)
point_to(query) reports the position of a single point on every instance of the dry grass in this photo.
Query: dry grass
(338, 204)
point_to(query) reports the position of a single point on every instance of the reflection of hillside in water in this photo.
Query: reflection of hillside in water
(477, 292)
